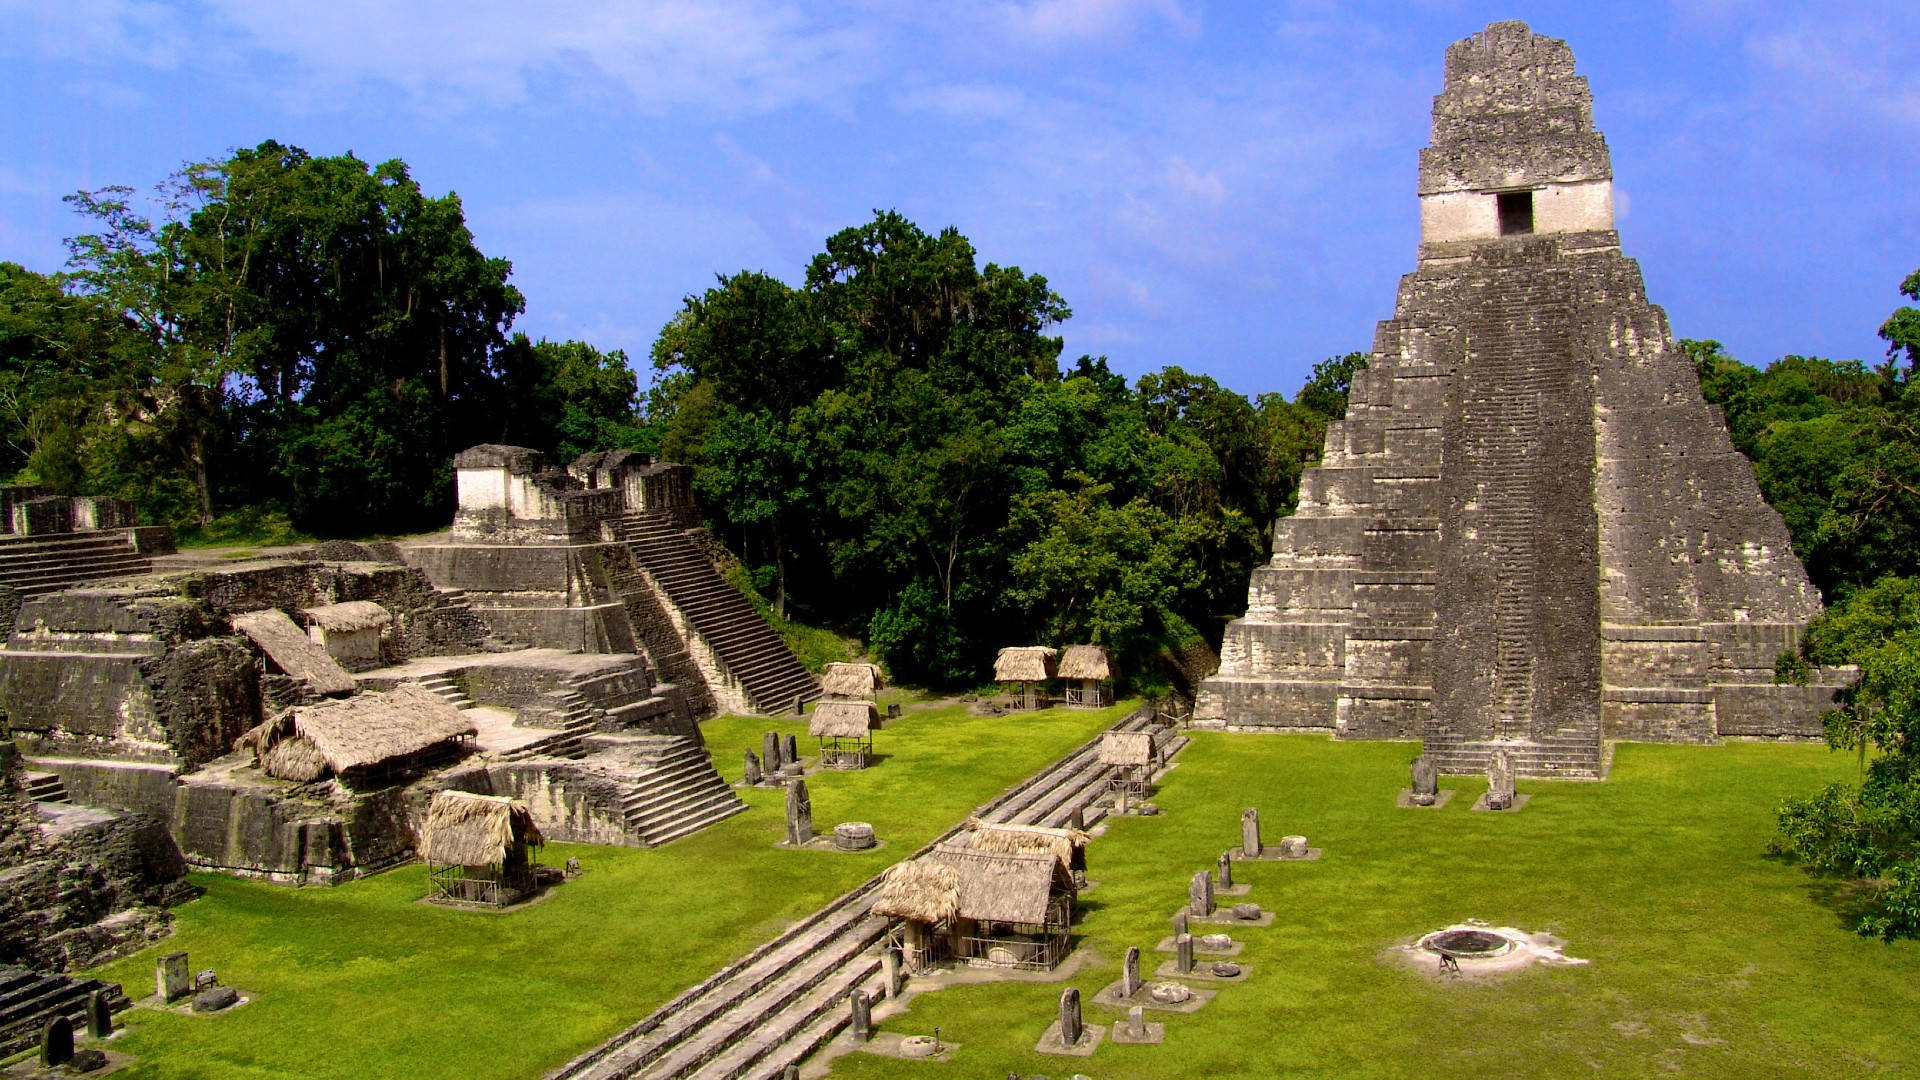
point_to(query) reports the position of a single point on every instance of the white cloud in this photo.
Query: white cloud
(965, 101)
(94, 31)
(1186, 180)
(1057, 20)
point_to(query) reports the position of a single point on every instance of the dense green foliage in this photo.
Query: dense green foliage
(312, 335)
(896, 448)
(1836, 449)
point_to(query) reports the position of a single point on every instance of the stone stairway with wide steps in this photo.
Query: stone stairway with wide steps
(681, 792)
(1565, 756)
(784, 1000)
(31, 565)
(44, 787)
(749, 650)
(29, 999)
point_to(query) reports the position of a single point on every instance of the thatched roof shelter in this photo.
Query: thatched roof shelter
(1024, 663)
(288, 647)
(844, 719)
(923, 890)
(1086, 662)
(475, 830)
(1004, 887)
(852, 681)
(1022, 840)
(353, 733)
(1126, 748)
(350, 617)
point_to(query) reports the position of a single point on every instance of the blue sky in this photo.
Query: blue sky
(1229, 187)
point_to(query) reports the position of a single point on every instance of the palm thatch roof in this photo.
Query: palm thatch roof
(851, 681)
(1024, 663)
(475, 830)
(844, 719)
(288, 647)
(1086, 662)
(1022, 840)
(923, 890)
(1007, 887)
(1126, 748)
(353, 732)
(348, 617)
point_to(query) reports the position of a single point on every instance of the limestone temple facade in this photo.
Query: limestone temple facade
(1531, 530)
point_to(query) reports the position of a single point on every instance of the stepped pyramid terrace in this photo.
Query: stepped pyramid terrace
(289, 716)
(1530, 531)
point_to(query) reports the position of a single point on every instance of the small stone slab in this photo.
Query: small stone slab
(825, 843)
(895, 1045)
(1202, 973)
(1109, 996)
(1520, 802)
(1090, 1036)
(1156, 1033)
(1224, 917)
(1167, 946)
(215, 998)
(1405, 801)
(1271, 853)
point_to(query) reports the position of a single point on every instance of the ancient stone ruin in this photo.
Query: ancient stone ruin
(290, 718)
(1530, 530)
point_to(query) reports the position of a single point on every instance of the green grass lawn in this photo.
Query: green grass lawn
(364, 981)
(1708, 958)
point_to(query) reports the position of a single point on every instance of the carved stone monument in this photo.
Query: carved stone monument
(1200, 895)
(789, 752)
(770, 751)
(1530, 528)
(751, 775)
(862, 1027)
(1426, 781)
(1071, 1029)
(1180, 922)
(1224, 871)
(1500, 781)
(99, 1015)
(799, 814)
(56, 1043)
(1183, 954)
(172, 980)
(1137, 1023)
(1250, 833)
(1130, 973)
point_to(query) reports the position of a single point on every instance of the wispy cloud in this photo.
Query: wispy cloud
(1077, 20)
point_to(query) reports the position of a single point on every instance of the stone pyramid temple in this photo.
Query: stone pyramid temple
(1530, 531)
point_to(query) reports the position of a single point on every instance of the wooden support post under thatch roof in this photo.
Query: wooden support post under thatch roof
(845, 731)
(1025, 670)
(1132, 756)
(476, 848)
(852, 681)
(1088, 672)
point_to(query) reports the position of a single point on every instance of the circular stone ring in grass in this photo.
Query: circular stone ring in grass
(1475, 948)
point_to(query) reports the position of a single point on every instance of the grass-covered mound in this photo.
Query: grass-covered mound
(363, 980)
(1708, 958)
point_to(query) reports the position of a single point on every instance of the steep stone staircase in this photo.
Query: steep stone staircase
(749, 650)
(31, 565)
(680, 793)
(29, 999)
(786, 999)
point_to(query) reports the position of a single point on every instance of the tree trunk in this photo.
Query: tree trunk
(779, 575)
(197, 453)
